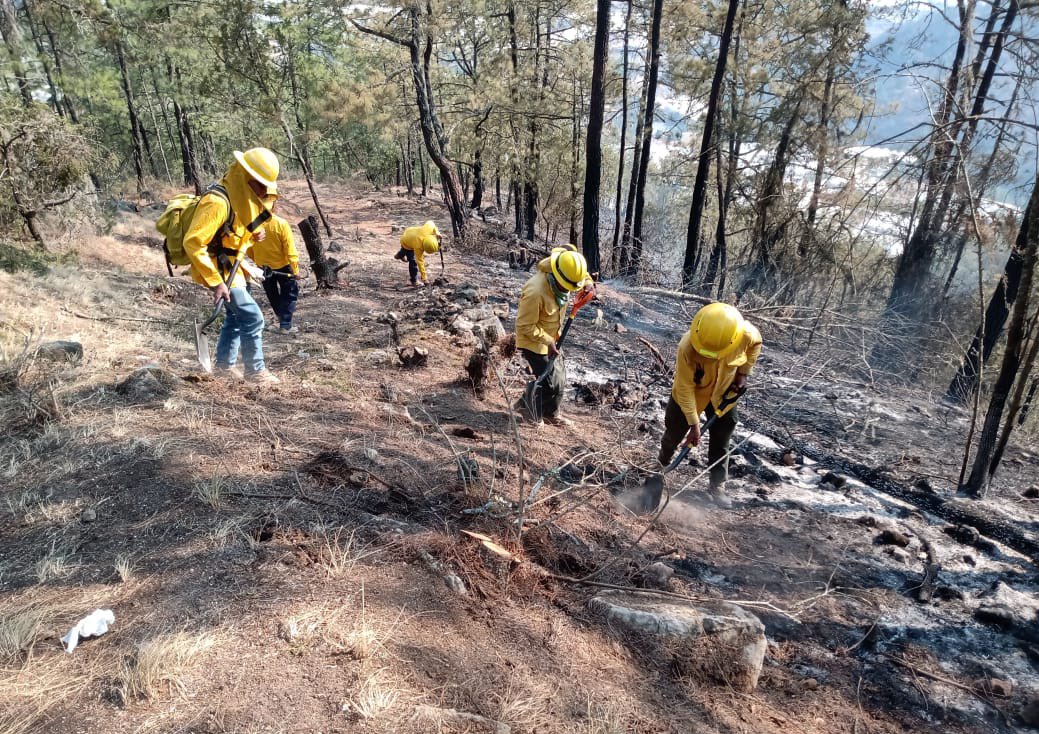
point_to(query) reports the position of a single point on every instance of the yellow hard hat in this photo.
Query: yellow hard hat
(430, 227)
(262, 165)
(569, 267)
(565, 248)
(717, 330)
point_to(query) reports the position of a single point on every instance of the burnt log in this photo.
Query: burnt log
(325, 270)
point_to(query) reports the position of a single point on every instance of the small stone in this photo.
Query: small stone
(658, 574)
(924, 484)
(892, 537)
(899, 555)
(993, 686)
(834, 479)
(147, 383)
(61, 350)
(371, 454)
(620, 328)
(334, 246)
(868, 520)
(963, 534)
(810, 684)
(413, 356)
(789, 457)
(88, 515)
(1032, 492)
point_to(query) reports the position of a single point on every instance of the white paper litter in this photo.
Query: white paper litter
(94, 624)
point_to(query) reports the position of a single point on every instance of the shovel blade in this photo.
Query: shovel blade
(646, 498)
(202, 348)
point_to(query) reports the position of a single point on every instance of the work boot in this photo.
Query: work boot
(232, 372)
(288, 330)
(263, 377)
(558, 420)
(721, 499)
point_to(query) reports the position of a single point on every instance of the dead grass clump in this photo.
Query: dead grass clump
(522, 704)
(210, 492)
(19, 631)
(28, 388)
(374, 698)
(340, 551)
(158, 665)
(124, 567)
(57, 563)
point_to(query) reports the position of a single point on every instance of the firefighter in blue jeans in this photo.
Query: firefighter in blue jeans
(276, 253)
(220, 232)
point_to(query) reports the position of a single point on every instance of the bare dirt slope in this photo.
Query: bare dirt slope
(291, 559)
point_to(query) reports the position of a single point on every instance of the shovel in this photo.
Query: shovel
(580, 300)
(649, 496)
(201, 342)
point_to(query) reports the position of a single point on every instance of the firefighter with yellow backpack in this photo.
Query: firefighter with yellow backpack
(212, 233)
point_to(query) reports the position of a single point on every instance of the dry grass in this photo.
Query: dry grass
(158, 665)
(19, 631)
(521, 701)
(210, 492)
(340, 551)
(57, 563)
(375, 697)
(124, 566)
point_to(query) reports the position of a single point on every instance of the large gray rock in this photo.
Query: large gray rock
(61, 350)
(721, 639)
(148, 383)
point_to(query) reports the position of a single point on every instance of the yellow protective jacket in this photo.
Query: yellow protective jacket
(699, 379)
(278, 248)
(540, 313)
(210, 216)
(415, 239)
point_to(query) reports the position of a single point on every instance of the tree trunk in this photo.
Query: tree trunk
(12, 36)
(647, 136)
(324, 270)
(593, 138)
(614, 250)
(965, 381)
(984, 464)
(703, 166)
(136, 142)
(821, 152)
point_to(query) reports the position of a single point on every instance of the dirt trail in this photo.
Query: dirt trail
(281, 553)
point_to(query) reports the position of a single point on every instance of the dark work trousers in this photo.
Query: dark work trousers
(676, 427)
(406, 254)
(544, 401)
(282, 291)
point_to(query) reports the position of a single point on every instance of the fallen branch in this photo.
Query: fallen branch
(79, 315)
(657, 357)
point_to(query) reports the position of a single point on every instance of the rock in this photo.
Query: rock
(994, 686)
(380, 358)
(413, 356)
(810, 684)
(789, 458)
(657, 574)
(466, 432)
(148, 383)
(461, 325)
(924, 484)
(88, 515)
(334, 246)
(835, 480)
(948, 593)
(491, 331)
(390, 317)
(892, 537)
(898, 554)
(390, 394)
(1031, 493)
(371, 454)
(480, 313)
(868, 520)
(620, 328)
(963, 534)
(1003, 602)
(60, 350)
(469, 293)
(1030, 712)
(722, 640)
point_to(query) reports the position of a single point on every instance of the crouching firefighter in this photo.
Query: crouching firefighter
(221, 230)
(715, 357)
(415, 244)
(539, 319)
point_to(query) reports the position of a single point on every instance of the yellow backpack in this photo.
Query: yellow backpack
(175, 221)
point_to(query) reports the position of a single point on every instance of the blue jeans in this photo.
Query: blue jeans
(243, 325)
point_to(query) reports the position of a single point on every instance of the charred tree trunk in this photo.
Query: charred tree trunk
(647, 136)
(593, 138)
(633, 182)
(965, 381)
(325, 271)
(986, 460)
(703, 166)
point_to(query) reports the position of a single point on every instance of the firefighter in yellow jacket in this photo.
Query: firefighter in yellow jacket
(715, 356)
(539, 319)
(415, 244)
(276, 254)
(220, 232)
